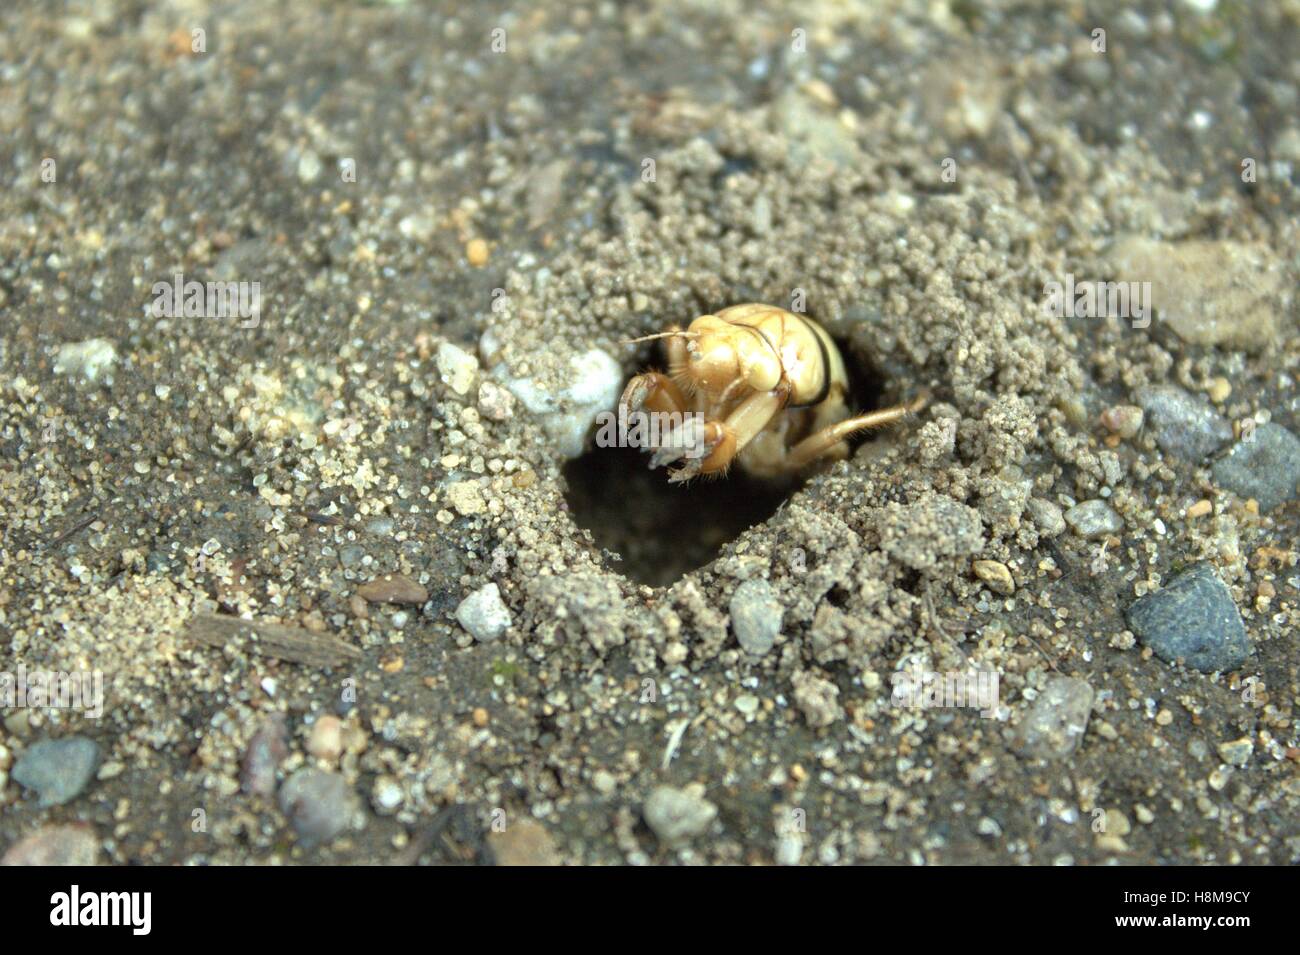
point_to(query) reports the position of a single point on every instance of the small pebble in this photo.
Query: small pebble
(1123, 420)
(567, 400)
(1093, 519)
(495, 402)
(524, 843)
(456, 367)
(818, 698)
(1056, 720)
(484, 614)
(326, 739)
(1237, 752)
(318, 804)
(309, 166)
(1264, 466)
(466, 497)
(476, 251)
(58, 769)
(1219, 390)
(756, 616)
(1047, 515)
(1110, 843)
(87, 360)
(996, 574)
(1192, 617)
(418, 226)
(387, 796)
(789, 849)
(70, 845)
(267, 748)
(677, 815)
(1185, 425)
(393, 589)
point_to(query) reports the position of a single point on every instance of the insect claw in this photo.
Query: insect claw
(635, 394)
(687, 440)
(664, 456)
(689, 470)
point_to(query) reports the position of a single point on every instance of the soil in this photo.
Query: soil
(912, 175)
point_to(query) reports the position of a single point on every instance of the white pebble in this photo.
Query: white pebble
(309, 166)
(387, 795)
(456, 367)
(86, 359)
(594, 380)
(484, 614)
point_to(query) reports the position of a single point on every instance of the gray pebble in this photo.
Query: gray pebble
(157, 562)
(318, 804)
(484, 614)
(266, 750)
(1184, 425)
(58, 769)
(756, 615)
(1094, 518)
(381, 526)
(1194, 618)
(676, 815)
(1112, 468)
(817, 697)
(1265, 466)
(1047, 516)
(1056, 720)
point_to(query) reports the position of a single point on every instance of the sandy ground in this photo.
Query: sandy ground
(455, 213)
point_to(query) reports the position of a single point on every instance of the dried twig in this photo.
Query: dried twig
(81, 524)
(270, 639)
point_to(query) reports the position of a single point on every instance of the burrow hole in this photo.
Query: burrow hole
(662, 531)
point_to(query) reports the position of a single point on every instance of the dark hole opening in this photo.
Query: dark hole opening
(662, 531)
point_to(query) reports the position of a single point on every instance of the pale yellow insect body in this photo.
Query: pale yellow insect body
(770, 384)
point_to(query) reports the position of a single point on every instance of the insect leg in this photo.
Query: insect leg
(676, 347)
(726, 439)
(655, 395)
(652, 391)
(828, 438)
